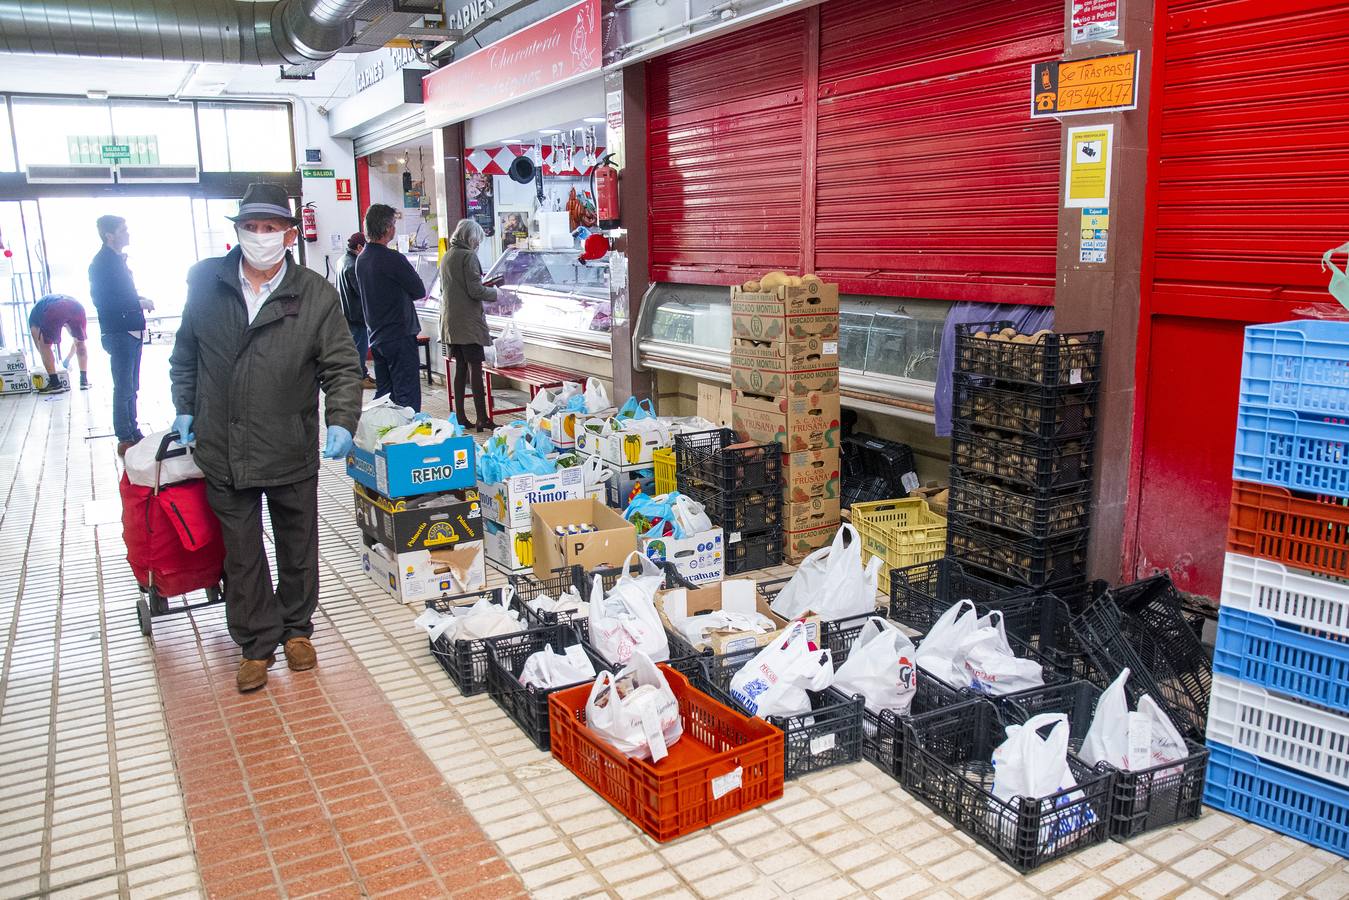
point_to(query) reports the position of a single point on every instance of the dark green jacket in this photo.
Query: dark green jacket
(254, 389)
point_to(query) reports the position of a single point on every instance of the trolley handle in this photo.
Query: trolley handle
(164, 452)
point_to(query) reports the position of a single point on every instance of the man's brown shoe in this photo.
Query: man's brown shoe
(124, 446)
(300, 655)
(253, 674)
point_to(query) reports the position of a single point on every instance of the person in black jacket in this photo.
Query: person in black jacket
(350, 292)
(389, 288)
(121, 321)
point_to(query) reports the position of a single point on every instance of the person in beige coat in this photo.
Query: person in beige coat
(463, 324)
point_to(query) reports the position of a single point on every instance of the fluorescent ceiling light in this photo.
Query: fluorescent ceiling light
(594, 120)
(96, 95)
(550, 131)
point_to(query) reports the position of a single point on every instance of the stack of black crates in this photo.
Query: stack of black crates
(1022, 448)
(740, 489)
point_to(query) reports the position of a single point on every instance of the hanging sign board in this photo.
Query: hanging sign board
(1099, 84)
(560, 49)
(1095, 20)
(1088, 180)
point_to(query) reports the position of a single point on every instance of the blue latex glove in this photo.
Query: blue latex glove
(182, 425)
(338, 444)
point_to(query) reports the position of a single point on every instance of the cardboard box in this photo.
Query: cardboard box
(808, 474)
(812, 298)
(624, 448)
(797, 423)
(776, 383)
(700, 558)
(809, 354)
(936, 495)
(509, 549)
(406, 470)
(508, 502)
(817, 512)
(423, 575)
(797, 545)
(400, 528)
(39, 379)
(714, 404)
(15, 383)
(13, 362)
(620, 488)
(734, 595)
(605, 548)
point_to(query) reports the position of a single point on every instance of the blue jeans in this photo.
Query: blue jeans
(360, 336)
(124, 350)
(398, 371)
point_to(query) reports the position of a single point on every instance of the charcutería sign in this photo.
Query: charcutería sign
(1099, 84)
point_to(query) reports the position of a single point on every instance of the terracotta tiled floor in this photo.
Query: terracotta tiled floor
(131, 768)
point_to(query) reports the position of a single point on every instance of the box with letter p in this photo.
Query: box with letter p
(604, 547)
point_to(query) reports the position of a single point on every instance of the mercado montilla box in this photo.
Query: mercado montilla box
(427, 522)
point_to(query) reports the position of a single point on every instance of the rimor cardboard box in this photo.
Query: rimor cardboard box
(808, 515)
(811, 298)
(809, 422)
(771, 382)
(604, 548)
(700, 558)
(509, 549)
(508, 502)
(808, 474)
(734, 595)
(402, 526)
(426, 574)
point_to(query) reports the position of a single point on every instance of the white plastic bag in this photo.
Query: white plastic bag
(635, 711)
(140, 462)
(595, 473)
(510, 347)
(425, 432)
(1131, 741)
(377, 417)
(625, 620)
(991, 667)
(880, 667)
(775, 681)
(832, 582)
(940, 653)
(549, 669)
(483, 619)
(1034, 767)
(596, 397)
(690, 516)
(542, 405)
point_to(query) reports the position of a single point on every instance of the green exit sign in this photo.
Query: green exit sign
(116, 151)
(319, 173)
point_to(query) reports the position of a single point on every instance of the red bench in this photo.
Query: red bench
(536, 377)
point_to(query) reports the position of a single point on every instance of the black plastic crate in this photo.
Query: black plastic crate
(1142, 800)
(530, 586)
(750, 509)
(758, 550)
(1029, 412)
(866, 489)
(702, 462)
(1051, 359)
(1024, 561)
(466, 661)
(527, 705)
(948, 765)
(1024, 465)
(1037, 516)
(829, 735)
(1164, 657)
(867, 454)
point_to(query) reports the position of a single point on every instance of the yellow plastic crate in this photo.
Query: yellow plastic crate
(902, 532)
(664, 461)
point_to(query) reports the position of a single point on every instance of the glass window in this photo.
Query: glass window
(245, 137)
(155, 133)
(55, 131)
(6, 139)
(549, 288)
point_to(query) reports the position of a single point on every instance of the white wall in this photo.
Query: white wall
(336, 219)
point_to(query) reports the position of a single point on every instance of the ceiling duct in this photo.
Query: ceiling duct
(212, 31)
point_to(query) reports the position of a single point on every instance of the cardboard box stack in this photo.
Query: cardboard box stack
(14, 377)
(507, 509)
(420, 518)
(785, 389)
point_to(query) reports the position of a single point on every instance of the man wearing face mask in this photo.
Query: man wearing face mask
(261, 336)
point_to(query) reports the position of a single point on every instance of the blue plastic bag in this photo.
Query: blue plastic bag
(577, 404)
(633, 409)
(540, 440)
(653, 516)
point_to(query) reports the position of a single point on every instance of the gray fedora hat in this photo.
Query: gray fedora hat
(265, 201)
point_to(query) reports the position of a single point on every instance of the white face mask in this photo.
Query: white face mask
(262, 250)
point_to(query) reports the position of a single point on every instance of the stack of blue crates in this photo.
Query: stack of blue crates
(1278, 728)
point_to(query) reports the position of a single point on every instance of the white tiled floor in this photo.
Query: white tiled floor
(96, 811)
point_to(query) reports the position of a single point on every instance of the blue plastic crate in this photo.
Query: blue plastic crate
(1301, 807)
(1283, 658)
(1299, 366)
(1280, 447)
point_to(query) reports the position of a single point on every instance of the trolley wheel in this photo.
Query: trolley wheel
(143, 616)
(159, 604)
(213, 594)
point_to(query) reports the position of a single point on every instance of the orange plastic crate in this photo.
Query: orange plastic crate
(675, 796)
(1275, 524)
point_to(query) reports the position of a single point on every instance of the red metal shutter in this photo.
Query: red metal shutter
(933, 180)
(1248, 186)
(725, 156)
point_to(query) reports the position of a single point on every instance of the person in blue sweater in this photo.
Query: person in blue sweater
(121, 321)
(390, 287)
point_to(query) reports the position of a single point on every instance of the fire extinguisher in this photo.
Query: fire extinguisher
(309, 222)
(604, 184)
